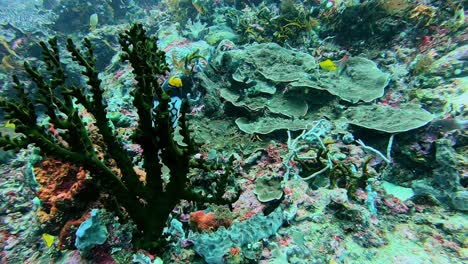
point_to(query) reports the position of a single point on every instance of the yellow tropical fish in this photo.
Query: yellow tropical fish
(328, 65)
(175, 81)
(10, 124)
(49, 239)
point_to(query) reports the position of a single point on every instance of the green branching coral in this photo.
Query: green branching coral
(148, 204)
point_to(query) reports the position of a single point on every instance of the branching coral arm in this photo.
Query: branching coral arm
(148, 63)
(97, 107)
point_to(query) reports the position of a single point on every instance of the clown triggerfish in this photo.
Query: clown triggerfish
(175, 86)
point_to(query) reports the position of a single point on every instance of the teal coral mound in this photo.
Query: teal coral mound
(91, 232)
(260, 71)
(388, 119)
(213, 246)
(218, 33)
(266, 125)
(268, 189)
(277, 64)
(289, 106)
(269, 77)
(360, 80)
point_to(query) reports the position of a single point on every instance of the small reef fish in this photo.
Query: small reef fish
(48, 239)
(328, 65)
(93, 21)
(176, 98)
(175, 81)
(174, 109)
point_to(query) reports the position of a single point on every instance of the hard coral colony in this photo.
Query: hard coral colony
(226, 131)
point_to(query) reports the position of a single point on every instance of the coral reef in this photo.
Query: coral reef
(147, 203)
(329, 131)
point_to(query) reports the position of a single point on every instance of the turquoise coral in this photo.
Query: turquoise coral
(91, 232)
(213, 246)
